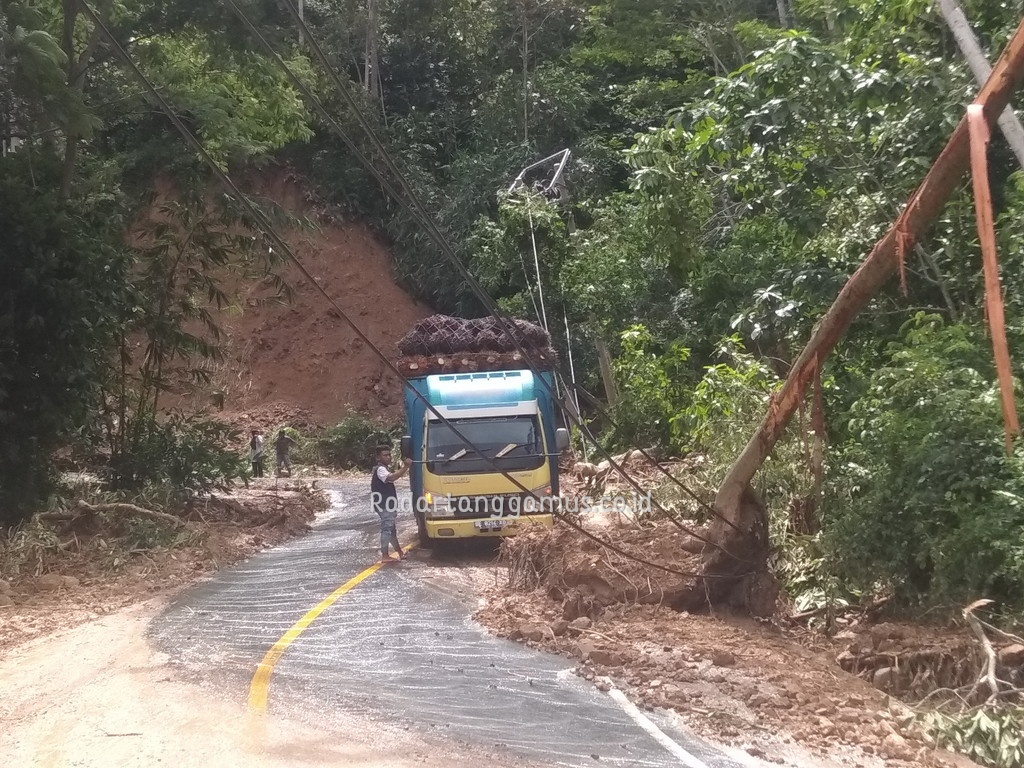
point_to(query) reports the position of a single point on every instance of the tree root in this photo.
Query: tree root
(988, 675)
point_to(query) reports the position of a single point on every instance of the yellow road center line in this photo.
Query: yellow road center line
(259, 689)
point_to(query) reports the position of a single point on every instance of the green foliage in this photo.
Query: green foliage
(60, 276)
(185, 455)
(351, 442)
(241, 103)
(144, 534)
(188, 255)
(24, 549)
(619, 272)
(728, 397)
(991, 735)
(726, 406)
(649, 389)
(33, 76)
(503, 250)
(804, 567)
(925, 500)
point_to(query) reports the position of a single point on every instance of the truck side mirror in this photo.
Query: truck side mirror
(561, 438)
(406, 446)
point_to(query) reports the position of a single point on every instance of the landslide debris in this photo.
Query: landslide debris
(60, 572)
(741, 681)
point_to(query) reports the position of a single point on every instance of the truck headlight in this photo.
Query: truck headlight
(441, 507)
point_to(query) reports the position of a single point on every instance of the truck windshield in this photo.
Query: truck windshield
(511, 443)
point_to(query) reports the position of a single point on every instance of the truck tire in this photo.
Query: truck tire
(421, 530)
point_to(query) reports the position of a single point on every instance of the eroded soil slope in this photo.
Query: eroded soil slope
(302, 358)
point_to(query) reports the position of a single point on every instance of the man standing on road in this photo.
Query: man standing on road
(256, 453)
(384, 499)
(281, 447)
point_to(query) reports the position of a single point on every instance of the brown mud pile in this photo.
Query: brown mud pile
(301, 355)
(64, 571)
(584, 578)
(744, 682)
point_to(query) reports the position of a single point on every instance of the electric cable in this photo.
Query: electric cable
(419, 212)
(682, 486)
(270, 232)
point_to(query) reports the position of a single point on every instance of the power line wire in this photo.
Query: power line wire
(269, 230)
(682, 486)
(415, 206)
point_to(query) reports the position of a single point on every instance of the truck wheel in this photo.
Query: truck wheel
(421, 530)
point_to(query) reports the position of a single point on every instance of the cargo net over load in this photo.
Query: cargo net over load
(443, 344)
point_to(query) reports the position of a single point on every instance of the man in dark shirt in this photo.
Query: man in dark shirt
(384, 498)
(281, 447)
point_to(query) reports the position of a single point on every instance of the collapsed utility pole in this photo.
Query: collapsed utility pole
(372, 77)
(555, 190)
(981, 69)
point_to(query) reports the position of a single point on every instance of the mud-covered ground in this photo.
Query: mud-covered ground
(754, 684)
(58, 573)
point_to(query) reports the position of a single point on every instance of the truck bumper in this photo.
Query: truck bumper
(449, 528)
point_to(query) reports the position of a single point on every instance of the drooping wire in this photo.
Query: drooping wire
(415, 206)
(595, 403)
(270, 232)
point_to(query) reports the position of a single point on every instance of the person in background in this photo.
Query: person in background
(384, 498)
(281, 447)
(256, 453)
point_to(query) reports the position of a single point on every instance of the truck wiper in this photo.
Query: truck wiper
(456, 455)
(507, 449)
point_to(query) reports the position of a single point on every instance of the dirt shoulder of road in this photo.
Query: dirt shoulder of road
(60, 572)
(783, 696)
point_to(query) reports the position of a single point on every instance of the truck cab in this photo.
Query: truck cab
(508, 418)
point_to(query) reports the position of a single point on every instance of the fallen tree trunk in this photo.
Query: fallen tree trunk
(742, 527)
(136, 511)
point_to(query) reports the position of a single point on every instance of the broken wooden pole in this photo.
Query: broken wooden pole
(990, 263)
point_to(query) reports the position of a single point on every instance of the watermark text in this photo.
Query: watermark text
(508, 506)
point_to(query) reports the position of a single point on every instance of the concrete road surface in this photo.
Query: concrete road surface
(397, 643)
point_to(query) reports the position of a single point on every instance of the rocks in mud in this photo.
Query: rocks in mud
(1012, 655)
(606, 658)
(723, 659)
(580, 623)
(534, 632)
(537, 632)
(51, 582)
(6, 600)
(583, 649)
(895, 747)
(586, 651)
(885, 679)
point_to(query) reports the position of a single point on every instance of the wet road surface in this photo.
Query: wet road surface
(402, 647)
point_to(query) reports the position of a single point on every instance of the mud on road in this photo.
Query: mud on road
(741, 682)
